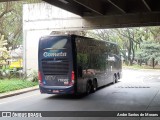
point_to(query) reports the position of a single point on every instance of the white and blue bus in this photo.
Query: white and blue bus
(71, 64)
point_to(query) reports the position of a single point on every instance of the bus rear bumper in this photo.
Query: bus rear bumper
(57, 89)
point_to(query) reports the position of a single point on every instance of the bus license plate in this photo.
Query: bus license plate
(55, 91)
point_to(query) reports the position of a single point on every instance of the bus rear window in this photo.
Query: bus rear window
(54, 43)
(54, 47)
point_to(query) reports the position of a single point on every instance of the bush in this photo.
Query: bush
(33, 76)
(10, 73)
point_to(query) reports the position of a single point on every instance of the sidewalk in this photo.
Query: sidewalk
(17, 92)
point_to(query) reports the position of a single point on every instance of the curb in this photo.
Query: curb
(17, 92)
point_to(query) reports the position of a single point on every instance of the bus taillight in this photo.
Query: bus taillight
(40, 77)
(72, 78)
(72, 75)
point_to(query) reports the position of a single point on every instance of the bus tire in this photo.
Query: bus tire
(94, 86)
(114, 79)
(118, 76)
(88, 88)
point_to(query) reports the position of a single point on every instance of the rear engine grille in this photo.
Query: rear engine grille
(55, 67)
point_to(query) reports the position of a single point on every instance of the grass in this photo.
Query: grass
(7, 85)
(141, 67)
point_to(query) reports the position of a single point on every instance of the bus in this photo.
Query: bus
(72, 64)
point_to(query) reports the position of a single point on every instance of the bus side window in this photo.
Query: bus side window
(79, 71)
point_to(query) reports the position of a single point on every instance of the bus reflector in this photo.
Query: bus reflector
(40, 77)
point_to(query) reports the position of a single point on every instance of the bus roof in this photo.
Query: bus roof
(58, 35)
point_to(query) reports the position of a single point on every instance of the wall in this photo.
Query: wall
(39, 20)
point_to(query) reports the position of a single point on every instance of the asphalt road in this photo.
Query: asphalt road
(138, 90)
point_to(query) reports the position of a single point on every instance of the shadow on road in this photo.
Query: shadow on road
(69, 97)
(76, 96)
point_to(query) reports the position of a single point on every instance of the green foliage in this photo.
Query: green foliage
(149, 50)
(4, 53)
(3, 43)
(11, 21)
(131, 41)
(33, 76)
(7, 73)
(15, 84)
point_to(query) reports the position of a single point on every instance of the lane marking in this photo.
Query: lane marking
(18, 99)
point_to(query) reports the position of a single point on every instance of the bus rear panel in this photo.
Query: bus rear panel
(56, 74)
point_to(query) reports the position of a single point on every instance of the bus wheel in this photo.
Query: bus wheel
(114, 79)
(88, 88)
(118, 76)
(94, 86)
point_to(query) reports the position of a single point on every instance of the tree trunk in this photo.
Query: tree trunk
(140, 62)
(153, 65)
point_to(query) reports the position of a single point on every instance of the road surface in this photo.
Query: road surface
(138, 90)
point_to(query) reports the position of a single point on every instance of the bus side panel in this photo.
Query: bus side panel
(91, 62)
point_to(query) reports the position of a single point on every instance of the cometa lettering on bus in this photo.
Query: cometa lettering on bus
(47, 54)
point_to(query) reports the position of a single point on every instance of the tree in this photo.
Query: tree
(100, 34)
(150, 51)
(131, 41)
(132, 38)
(11, 21)
(4, 53)
(154, 33)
